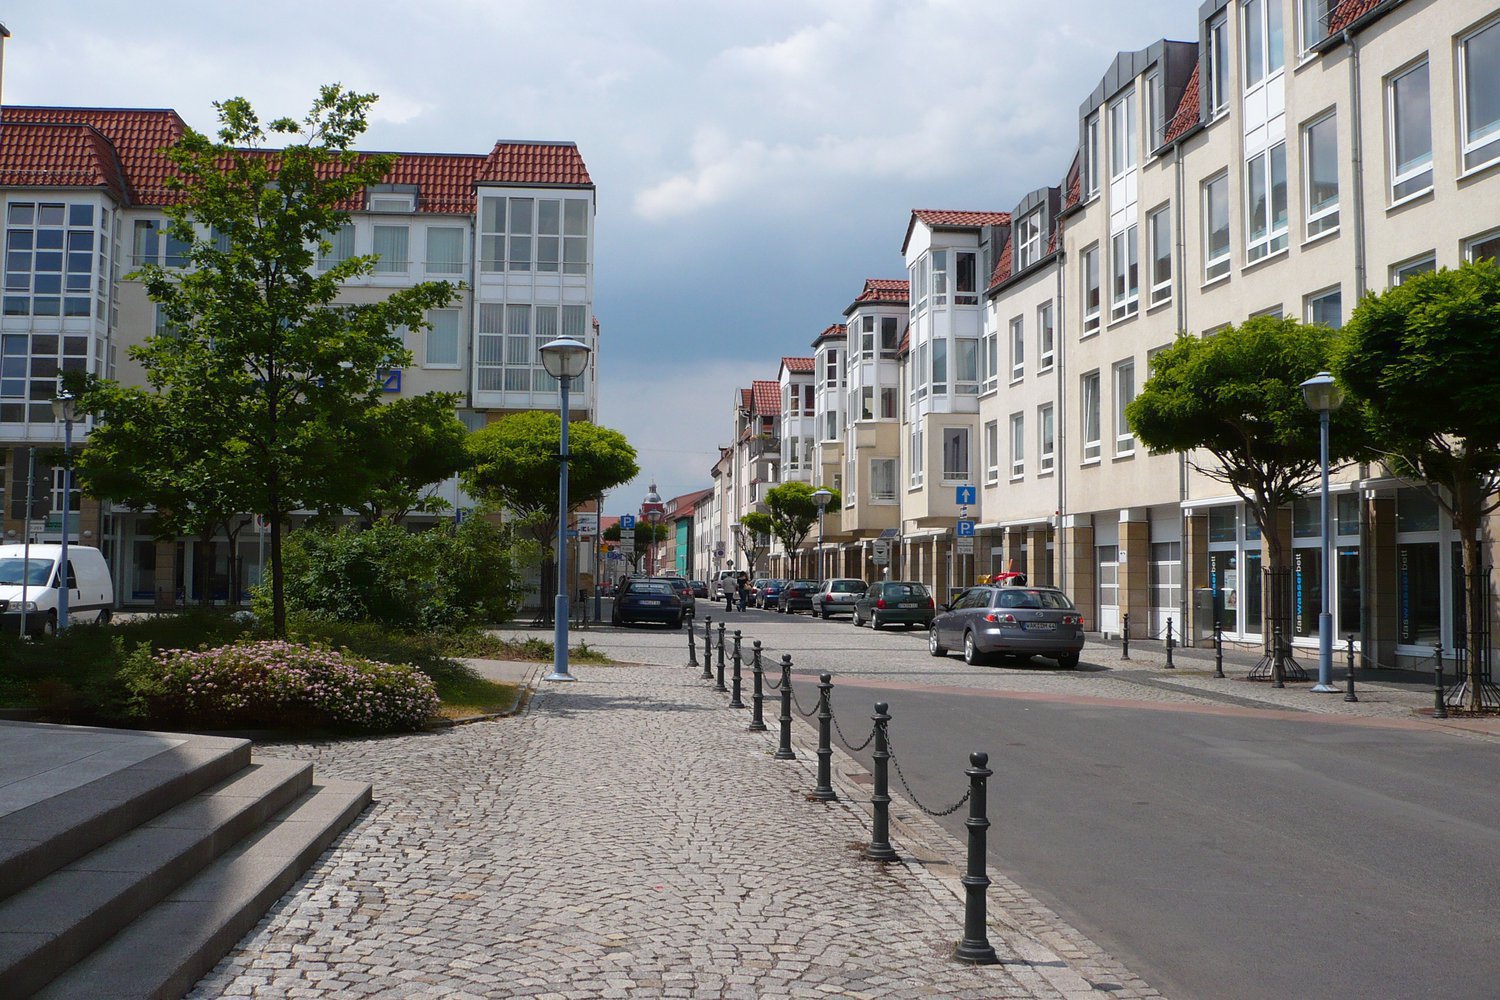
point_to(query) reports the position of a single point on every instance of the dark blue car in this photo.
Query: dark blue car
(648, 601)
(769, 595)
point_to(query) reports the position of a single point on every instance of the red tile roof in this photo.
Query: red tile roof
(446, 181)
(834, 331)
(1346, 12)
(47, 155)
(904, 347)
(744, 399)
(798, 366)
(1003, 266)
(767, 396)
(939, 218)
(885, 290)
(1188, 111)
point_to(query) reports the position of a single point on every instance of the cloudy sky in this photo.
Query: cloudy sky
(755, 161)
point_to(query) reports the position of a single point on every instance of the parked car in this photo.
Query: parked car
(684, 591)
(837, 596)
(1015, 621)
(30, 581)
(770, 594)
(647, 600)
(755, 586)
(797, 595)
(895, 602)
(723, 574)
(700, 587)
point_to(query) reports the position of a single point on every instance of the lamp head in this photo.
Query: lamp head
(65, 406)
(1322, 394)
(564, 357)
(821, 497)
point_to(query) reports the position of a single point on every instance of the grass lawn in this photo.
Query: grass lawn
(466, 694)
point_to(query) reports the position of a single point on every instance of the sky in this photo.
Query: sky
(754, 161)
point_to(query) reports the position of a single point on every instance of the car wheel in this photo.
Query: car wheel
(49, 624)
(972, 656)
(875, 620)
(825, 612)
(105, 614)
(934, 648)
(1068, 661)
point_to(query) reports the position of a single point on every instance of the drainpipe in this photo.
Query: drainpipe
(1059, 420)
(1361, 285)
(1182, 459)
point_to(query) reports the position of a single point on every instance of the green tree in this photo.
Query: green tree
(758, 528)
(282, 376)
(646, 534)
(793, 513)
(513, 467)
(1236, 396)
(411, 444)
(1419, 363)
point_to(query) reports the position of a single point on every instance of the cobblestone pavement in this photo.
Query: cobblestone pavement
(627, 838)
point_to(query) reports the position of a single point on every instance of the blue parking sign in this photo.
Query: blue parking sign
(627, 522)
(965, 495)
(965, 529)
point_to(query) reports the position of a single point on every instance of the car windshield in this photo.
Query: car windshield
(848, 587)
(1051, 599)
(898, 590)
(36, 574)
(650, 587)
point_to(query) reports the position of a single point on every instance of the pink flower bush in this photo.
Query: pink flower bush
(277, 683)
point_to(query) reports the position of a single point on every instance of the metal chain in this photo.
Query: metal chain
(805, 715)
(937, 814)
(766, 681)
(845, 740)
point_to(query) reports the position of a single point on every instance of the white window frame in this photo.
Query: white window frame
(1473, 243)
(1420, 264)
(1323, 218)
(1046, 338)
(1215, 268)
(1322, 295)
(954, 474)
(914, 475)
(1267, 18)
(990, 351)
(1159, 231)
(992, 451)
(1046, 441)
(385, 265)
(1124, 137)
(455, 316)
(876, 495)
(1125, 274)
(1089, 414)
(1017, 446)
(1483, 151)
(1272, 240)
(866, 336)
(1091, 156)
(1029, 240)
(1017, 328)
(1217, 63)
(1089, 266)
(1124, 391)
(939, 262)
(1311, 30)
(1416, 180)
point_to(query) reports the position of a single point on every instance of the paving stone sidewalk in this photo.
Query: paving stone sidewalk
(624, 838)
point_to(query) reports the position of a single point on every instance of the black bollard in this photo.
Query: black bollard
(720, 685)
(1439, 704)
(824, 791)
(1349, 695)
(975, 947)
(734, 697)
(1276, 678)
(784, 747)
(758, 699)
(1218, 650)
(1170, 664)
(880, 848)
(692, 648)
(1125, 636)
(708, 651)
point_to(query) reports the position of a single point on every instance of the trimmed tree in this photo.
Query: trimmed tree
(283, 375)
(758, 529)
(1420, 367)
(1236, 397)
(793, 513)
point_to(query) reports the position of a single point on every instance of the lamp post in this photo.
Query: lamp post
(565, 359)
(652, 510)
(65, 408)
(1323, 396)
(821, 497)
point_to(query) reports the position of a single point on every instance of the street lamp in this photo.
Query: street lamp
(65, 408)
(565, 359)
(821, 497)
(1323, 396)
(652, 510)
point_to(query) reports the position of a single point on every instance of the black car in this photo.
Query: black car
(1014, 621)
(648, 600)
(798, 595)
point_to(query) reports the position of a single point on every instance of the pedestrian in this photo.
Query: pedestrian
(729, 587)
(742, 588)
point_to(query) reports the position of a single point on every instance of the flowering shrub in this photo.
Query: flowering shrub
(277, 683)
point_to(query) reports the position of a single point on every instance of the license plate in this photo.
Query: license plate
(906, 605)
(651, 603)
(1040, 626)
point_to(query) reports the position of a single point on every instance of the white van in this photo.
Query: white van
(724, 574)
(91, 592)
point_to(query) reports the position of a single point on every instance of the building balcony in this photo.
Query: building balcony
(765, 445)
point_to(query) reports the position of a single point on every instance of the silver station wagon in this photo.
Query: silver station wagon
(1011, 621)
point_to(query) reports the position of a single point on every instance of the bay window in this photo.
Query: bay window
(1265, 41)
(956, 455)
(1122, 135)
(966, 361)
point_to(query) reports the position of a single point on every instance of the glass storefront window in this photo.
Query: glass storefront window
(1346, 564)
(1346, 514)
(1252, 617)
(1252, 530)
(1307, 513)
(1418, 581)
(1307, 591)
(1221, 526)
(1416, 510)
(1223, 580)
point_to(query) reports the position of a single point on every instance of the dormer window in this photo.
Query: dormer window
(391, 202)
(1029, 240)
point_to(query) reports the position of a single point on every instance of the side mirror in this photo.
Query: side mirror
(945, 607)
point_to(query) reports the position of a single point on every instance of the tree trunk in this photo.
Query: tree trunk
(203, 565)
(278, 581)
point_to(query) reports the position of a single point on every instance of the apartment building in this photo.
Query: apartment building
(85, 204)
(871, 434)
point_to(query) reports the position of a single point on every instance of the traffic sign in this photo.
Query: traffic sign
(963, 495)
(965, 546)
(965, 529)
(588, 524)
(881, 555)
(627, 522)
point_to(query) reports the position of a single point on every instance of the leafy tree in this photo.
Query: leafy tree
(1237, 396)
(281, 377)
(1420, 366)
(646, 534)
(513, 467)
(411, 443)
(793, 513)
(758, 530)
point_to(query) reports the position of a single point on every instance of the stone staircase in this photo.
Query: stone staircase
(130, 862)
